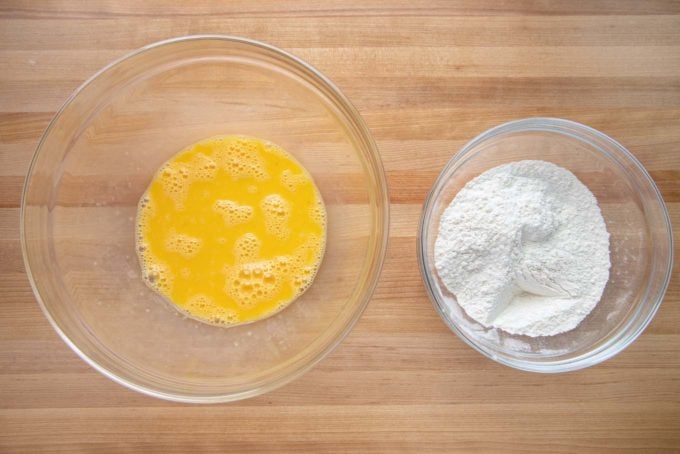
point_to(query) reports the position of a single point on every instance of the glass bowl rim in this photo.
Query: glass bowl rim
(578, 131)
(375, 265)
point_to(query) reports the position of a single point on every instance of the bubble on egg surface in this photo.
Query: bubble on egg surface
(252, 283)
(158, 276)
(185, 245)
(247, 247)
(318, 213)
(310, 250)
(174, 178)
(276, 210)
(205, 308)
(145, 208)
(204, 168)
(233, 213)
(293, 180)
(240, 158)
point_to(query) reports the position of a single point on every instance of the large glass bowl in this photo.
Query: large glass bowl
(96, 159)
(641, 248)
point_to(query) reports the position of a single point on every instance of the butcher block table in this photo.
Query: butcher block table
(427, 77)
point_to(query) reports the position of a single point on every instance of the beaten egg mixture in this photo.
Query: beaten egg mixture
(231, 230)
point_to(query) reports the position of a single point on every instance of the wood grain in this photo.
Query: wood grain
(427, 77)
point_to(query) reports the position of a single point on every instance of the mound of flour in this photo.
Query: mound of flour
(524, 248)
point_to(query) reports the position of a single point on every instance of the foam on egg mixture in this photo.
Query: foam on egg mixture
(231, 230)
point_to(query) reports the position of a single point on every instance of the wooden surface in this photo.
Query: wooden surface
(426, 78)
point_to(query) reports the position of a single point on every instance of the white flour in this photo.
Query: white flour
(524, 248)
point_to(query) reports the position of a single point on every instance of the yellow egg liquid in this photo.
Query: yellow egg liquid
(231, 230)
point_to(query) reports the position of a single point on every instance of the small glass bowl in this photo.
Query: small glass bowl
(99, 154)
(641, 248)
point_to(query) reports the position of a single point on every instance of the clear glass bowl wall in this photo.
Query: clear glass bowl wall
(636, 218)
(97, 158)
